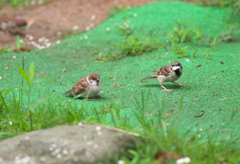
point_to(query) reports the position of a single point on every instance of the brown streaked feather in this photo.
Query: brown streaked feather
(79, 87)
(163, 71)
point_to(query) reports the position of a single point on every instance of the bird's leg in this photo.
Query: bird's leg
(178, 84)
(89, 99)
(165, 89)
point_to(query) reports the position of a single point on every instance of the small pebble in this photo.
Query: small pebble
(65, 152)
(98, 128)
(59, 41)
(75, 27)
(120, 162)
(43, 159)
(95, 146)
(59, 156)
(93, 17)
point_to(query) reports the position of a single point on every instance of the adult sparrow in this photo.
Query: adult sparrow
(87, 87)
(168, 73)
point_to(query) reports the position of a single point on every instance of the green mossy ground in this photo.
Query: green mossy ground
(213, 87)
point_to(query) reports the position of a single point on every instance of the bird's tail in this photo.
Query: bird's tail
(152, 76)
(69, 93)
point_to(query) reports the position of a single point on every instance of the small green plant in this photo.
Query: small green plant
(130, 46)
(219, 3)
(228, 36)
(182, 33)
(207, 55)
(29, 80)
(108, 55)
(125, 29)
(19, 43)
(6, 49)
(234, 17)
(180, 51)
(213, 42)
(194, 53)
(135, 46)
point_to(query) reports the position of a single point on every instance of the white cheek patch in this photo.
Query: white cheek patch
(88, 80)
(175, 68)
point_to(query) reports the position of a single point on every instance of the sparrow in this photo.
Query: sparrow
(87, 87)
(168, 73)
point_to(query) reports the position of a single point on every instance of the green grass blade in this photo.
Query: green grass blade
(18, 42)
(31, 72)
(24, 74)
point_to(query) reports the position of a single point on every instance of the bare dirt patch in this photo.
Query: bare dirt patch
(57, 19)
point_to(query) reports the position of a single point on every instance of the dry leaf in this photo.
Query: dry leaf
(40, 75)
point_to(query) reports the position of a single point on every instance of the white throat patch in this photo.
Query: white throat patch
(175, 68)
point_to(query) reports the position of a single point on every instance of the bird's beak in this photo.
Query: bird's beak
(98, 79)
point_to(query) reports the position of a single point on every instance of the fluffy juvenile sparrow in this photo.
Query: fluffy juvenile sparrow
(87, 87)
(168, 73)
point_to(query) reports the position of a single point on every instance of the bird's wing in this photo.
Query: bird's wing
(80, 86)
(163, 71)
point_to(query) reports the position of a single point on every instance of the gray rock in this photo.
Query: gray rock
(66, 144)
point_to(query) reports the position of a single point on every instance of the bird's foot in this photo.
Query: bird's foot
(168, 90)
(181, 85)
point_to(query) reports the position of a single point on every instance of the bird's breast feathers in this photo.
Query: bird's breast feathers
(169, 78)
